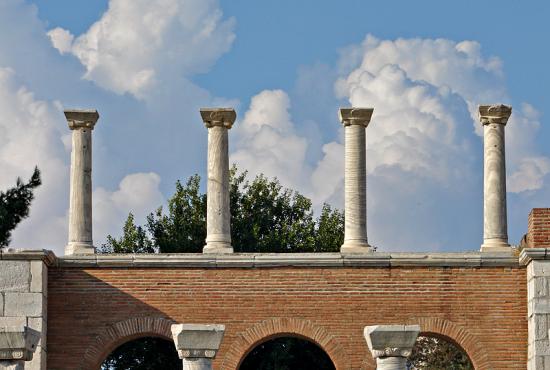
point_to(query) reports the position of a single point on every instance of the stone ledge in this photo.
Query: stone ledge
(529, 254)
(266, 260)
(47, 256)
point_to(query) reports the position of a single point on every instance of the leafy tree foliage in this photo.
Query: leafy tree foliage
(265, 217)
(287, 353)
(146, 353)
(14, 205)
(430, 353)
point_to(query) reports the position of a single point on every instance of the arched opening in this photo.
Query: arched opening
(435, 351)
(144, 353)
(287, 353)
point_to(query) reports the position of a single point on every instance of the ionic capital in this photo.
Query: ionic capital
(224, 117)
(497, 113)
(391, 340)
(355, 116)
(18, 343)
(197, 340)
(81, 118)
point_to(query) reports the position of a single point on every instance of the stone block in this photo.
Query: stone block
(1, 304)
(13, 321)
(197, 340)
(391, 340)
(538, 269)
(39, 277)
(38, 360)
(14, 276)
(39, 324)
(542, 348)
(17, 342)
(24, 304)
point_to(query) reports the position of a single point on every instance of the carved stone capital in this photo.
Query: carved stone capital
(18, 343)
(197, 340)
(497, 113)
(355, 116)
(224, 117)
(391, 340)
(81, 118)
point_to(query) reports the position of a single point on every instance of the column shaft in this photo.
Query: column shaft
(495, 228)
(494, 185)
(218, 232)
(355, 186)
(197, 364)
(391, 363)
(80, 216)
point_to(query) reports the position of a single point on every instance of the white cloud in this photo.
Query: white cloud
(137, 193)
(267, 143)
(529, 174)
(30, 135)
(138, 44)
(61, 39)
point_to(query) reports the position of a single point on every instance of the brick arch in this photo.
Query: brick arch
(124, 331)
(458, 335)
(278, 327)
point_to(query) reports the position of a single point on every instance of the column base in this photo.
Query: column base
(79, 248)
(217, 248)
(355, 247)
(496, 246)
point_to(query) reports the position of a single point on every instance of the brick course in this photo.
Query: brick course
(482, 309)
(538, 235)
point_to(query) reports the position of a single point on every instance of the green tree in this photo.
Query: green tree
(431, 353)
(134, 239)
(14, 205)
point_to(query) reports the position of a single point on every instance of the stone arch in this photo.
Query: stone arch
(278, 327)
(121, 332)
(458, 335)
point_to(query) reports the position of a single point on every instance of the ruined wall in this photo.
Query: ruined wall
(483, 308)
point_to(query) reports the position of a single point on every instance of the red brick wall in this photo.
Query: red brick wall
(91, 311)
(538, 235)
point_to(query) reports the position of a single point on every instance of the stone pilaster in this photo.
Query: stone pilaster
(390, 345)
(197, 344)
(218, 230)
(355, 121)
(81, 122)
(538, 307)
(17, 345)
(495, 229)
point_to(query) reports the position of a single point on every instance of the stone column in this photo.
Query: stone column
(197, 344)
(355, 121)
(81, 122)
(218, 232)
(495, 229)
(390, 345)
(17, 345)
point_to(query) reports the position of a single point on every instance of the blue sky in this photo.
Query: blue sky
(286, 67)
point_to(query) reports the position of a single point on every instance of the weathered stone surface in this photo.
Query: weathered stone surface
(12, 365)
(218, 230)
(14, 276)
(81, 122)
(197, 364)
(13, 321)
(495, 229)
(24, 304)
(1, 304)
(39, 324)
(355, 120)
(197, 340)
(39, 277)
(391, 340)
(17, 343)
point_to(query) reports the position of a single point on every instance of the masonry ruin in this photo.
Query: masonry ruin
(364, 308)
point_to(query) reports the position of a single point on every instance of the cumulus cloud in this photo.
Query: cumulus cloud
(267, 142)
(138, 44)
(30, 135)
(137, 193)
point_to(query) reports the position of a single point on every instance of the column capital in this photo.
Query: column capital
(18, 343)
(224, 117)
(81, 118)
(197, 340)
(391, 340)
(355, 116)
(496, 113)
